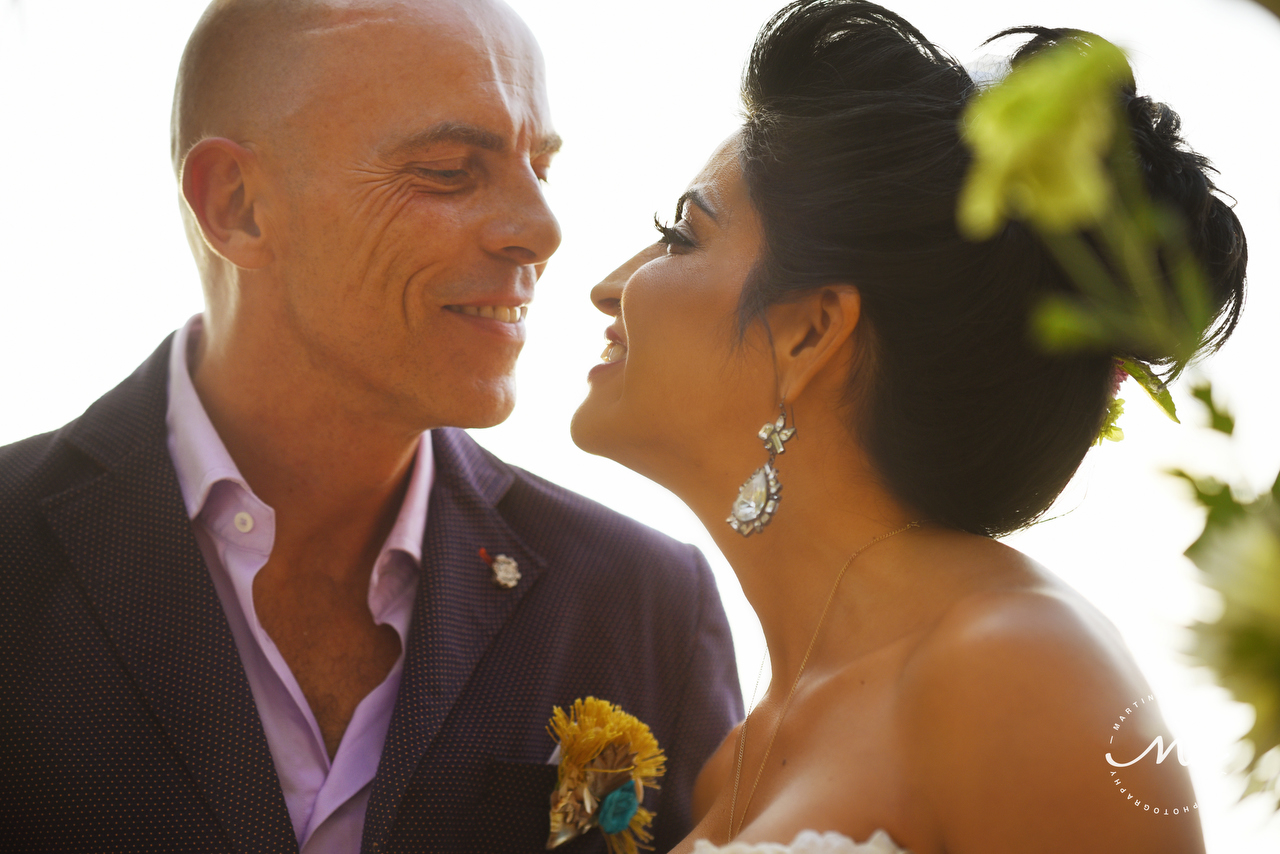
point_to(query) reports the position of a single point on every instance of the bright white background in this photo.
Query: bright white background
(94, 270)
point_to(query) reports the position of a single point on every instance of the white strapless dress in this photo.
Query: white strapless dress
(808, 842)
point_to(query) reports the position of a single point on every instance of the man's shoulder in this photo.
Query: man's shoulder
(38, 470)
(115, 425)
(33, 468)
(32, 472)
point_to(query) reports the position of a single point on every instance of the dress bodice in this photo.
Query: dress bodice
(808, 842)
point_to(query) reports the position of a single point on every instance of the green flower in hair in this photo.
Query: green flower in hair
(1040, 140)
(1111, 431)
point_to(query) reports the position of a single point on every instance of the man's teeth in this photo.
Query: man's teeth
(503, 313)
(615, 352)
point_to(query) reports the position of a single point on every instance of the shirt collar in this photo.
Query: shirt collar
(201, 459)
(407, 533)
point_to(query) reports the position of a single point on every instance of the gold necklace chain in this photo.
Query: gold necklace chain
(742, 736)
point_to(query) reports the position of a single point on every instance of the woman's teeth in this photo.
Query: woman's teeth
(615, 352)
(503, 313)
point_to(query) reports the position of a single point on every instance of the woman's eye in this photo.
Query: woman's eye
(671, 236)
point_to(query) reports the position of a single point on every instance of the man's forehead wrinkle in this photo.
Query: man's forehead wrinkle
(335, 26)
(511, 51)
(346, 42)
(447, 18)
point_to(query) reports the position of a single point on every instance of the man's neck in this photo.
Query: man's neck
(334, 476)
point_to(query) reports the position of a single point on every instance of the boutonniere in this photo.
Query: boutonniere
(607, 758)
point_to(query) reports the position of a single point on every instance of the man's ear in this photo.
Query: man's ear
(218, 187)
(813, 335)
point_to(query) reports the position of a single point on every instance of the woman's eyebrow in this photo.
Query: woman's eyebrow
(696, 196)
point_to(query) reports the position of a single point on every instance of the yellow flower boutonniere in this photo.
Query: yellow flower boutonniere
(607, 758)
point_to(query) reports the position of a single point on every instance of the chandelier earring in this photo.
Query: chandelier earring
(758, 497)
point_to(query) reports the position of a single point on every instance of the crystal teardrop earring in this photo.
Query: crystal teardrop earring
(758, 497)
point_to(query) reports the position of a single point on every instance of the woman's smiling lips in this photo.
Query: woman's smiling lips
(615, 352)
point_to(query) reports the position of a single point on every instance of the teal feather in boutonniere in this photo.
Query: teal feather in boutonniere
(607, 758)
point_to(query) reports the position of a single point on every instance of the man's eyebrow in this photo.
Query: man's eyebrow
(549, 144)
(698, 199)
(458, 132)
(464, 134)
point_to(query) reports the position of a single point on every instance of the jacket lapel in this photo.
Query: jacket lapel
(458, 612)
(125, 530)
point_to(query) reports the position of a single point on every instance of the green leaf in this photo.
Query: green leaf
(1221, 503)
(1211, 493)
(1219, 419)
(1153, 386)
(1060, 323)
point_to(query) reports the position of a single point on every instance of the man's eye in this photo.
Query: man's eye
(443, 174)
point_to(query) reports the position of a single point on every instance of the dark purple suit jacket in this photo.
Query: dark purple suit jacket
(126, 721)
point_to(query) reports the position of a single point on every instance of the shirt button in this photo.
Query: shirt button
(244, 522)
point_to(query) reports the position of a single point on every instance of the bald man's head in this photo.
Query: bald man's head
(234, 71)
(363, 194)
(250, 63)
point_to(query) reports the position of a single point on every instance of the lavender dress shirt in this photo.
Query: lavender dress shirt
(236, 530)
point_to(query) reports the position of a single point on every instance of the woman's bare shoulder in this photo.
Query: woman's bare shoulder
(1012, 626)
(1007, 704)
(997, 595)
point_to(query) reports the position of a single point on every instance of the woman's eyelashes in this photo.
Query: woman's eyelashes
(672, 236)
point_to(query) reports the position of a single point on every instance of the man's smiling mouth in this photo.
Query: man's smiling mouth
(501, 313)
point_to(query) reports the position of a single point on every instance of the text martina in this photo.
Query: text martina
(1162, 753)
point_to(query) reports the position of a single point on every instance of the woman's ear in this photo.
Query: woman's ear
(218, 186)
(813, 335)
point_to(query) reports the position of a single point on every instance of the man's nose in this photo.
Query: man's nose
(607, 296)
(527, 231)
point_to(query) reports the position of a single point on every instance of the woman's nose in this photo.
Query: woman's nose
(607, 296)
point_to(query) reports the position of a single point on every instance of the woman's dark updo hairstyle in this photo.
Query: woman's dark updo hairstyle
(852, 155)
